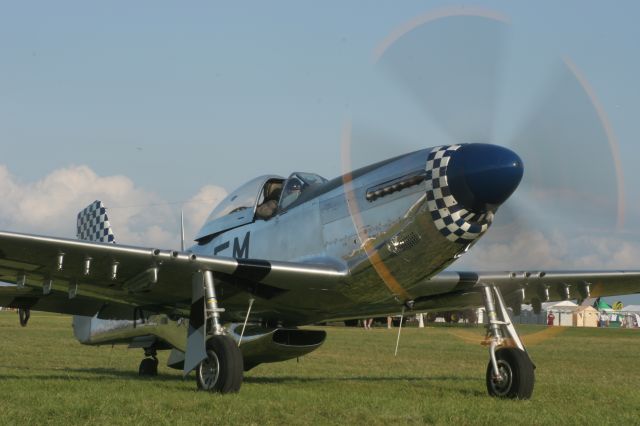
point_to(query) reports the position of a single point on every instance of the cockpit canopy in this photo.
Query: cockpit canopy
(241, 199)
(260, 198)
(297, 183)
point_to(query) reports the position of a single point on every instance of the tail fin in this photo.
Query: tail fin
(93, 224)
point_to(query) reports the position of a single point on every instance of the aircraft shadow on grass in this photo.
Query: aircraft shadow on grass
(89, 374)
(426, 381)
(123, 374)
(64, 374)
(298, 379)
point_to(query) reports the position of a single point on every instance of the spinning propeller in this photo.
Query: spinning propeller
(451, 68)
(458, 78)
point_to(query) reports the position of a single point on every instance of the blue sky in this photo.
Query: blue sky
(158, 104)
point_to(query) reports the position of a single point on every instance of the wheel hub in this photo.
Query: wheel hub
(501, 385)
(209, 371)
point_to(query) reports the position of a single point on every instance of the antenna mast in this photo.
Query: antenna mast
(181, 230)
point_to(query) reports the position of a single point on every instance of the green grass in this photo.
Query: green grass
(583, 376)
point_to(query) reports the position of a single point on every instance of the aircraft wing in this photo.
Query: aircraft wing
(78, 277)
(580, 284)
(58, 301)
(458, 290)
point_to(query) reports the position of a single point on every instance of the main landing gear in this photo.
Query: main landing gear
(510, 373)
(149, 365)
(223, 368)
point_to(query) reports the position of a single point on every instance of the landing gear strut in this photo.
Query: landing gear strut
(222, 370)
(149, 365)
(510, 371)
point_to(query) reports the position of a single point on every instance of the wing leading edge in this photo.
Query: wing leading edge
(560, 285)
(119, 278)
(460, 290)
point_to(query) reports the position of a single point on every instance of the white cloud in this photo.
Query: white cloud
(49, 206)
(537, 250)
(197, 209)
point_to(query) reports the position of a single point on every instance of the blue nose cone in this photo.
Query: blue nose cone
(483, 176)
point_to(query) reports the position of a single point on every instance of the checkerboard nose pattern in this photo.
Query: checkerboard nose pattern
(465, 183)
(93, 224)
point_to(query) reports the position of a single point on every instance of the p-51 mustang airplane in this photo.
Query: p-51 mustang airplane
(281, 253)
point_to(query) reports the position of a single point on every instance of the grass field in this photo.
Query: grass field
(583, 376)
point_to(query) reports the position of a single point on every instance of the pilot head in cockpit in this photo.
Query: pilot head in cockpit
(291, 192)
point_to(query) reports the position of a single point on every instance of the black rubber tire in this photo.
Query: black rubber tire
(148, 367)
(519, 371)
(224, 352)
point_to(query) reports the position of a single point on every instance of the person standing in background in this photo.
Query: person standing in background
(367, 323)
(550, 318)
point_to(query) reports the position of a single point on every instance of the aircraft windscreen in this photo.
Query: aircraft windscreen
(296, 184)
(311, 179)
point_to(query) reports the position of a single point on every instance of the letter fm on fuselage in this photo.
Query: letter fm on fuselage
(240, 249)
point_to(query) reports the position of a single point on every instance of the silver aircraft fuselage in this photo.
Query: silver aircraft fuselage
(374, 222)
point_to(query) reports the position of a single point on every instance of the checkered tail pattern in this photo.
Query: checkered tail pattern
(93, 224)
(449, 217)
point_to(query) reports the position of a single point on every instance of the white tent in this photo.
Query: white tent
(562, 312)
(558, 305)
